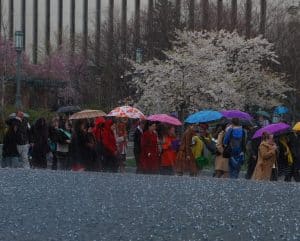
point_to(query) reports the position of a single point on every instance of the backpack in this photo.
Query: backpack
(236, 142)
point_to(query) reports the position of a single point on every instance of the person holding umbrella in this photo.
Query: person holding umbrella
(285, 157)
(289, 157)
(235, 147)
(168, 155)
(267, 155)
(40, 144)
(79, 146)
(98, 132)
(185, 160)
(221, 163)
(137, 144)
(295, 148)
(121, 138)
(10, 154)
(149, 149)
(110, 151)
(23, 138)
(263, 118)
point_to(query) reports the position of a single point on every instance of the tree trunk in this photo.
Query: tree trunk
(98, 32)
(47, 28)
(72, 25)
(85, 27)
(35, 32)
(60, 23)
(219, 14)
(205, 15)
(137, 25)
(191, 21)
(23, 22)
(177, 13)
(263, 15)
(124, 27)
(248, 18)
(11, 19)
(233, 15)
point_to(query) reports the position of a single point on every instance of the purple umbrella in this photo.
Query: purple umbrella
(272, 129)
(229, 114)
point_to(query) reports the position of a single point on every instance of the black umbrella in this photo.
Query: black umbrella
(68, 109)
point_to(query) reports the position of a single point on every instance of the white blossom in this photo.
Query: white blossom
(216, 70)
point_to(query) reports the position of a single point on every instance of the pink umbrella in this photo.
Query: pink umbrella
(165, 119)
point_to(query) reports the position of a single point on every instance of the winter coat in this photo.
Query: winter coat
(149, 159)
(40, 134)
(121, 138)
(137, 141)
(197, 147)
(79, 148)
(236, 137)
(23, 132)
(221, 163)
(168, 155)
(295, 148)
(109, 139)
(185, 160)
(9, 148)
(266, 160)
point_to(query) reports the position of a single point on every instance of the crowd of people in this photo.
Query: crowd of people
(101, 145)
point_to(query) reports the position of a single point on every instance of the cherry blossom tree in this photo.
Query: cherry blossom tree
(62, 66)
(218, 70)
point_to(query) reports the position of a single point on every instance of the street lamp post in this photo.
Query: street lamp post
(19, 45)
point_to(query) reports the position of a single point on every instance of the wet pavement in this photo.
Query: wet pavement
(47, 205)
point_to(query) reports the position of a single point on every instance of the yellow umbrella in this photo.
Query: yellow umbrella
(297, 127)
(87, 114)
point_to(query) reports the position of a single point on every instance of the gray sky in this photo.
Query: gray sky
(79, 4)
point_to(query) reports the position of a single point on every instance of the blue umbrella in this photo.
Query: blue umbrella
(204, 117)
(281, 110)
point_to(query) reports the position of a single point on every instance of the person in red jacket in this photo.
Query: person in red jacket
(168, 155)
(110, 152)
(98, 132)
(149, 150)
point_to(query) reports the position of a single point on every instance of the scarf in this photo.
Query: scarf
(290, 160)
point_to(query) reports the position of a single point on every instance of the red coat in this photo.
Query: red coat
(149, 153)
(168, 155)
(108, 138)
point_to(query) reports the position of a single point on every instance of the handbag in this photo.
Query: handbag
(274, 173)
(227, 151)
(202, 161)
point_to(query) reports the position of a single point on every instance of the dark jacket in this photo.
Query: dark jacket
(9, 148)
(39, 134)
(137, 141)
(23, 132)
(80, 148)
(295, 149)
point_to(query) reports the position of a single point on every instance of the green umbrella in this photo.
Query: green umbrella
(263, 113)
